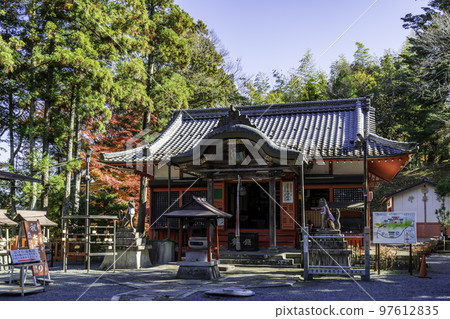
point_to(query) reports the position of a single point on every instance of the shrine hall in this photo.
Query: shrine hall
(267, 166)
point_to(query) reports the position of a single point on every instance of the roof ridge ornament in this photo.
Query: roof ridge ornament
(234, 116)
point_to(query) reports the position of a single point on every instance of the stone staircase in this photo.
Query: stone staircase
(330, 255)
(331, 251)
(261, 258)
(131, 250)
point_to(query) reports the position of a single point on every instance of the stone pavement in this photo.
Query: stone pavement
(160, 283)
(271, 283)
(268, 283)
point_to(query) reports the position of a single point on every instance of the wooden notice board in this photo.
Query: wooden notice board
(33, 234)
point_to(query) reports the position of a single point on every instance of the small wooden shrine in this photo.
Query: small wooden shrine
(198, 235)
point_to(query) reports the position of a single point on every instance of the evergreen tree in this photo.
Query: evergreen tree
(305, 83)
(207, 77)
(341, 83)
(428, 86)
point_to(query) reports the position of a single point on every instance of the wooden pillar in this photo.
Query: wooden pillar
(169, 197)
(180, 238)
(7, 239)
(272, 215)
(64, 243)
(217, 239)
(297, 213)
(210, 191)
(302, 180)
(208, 232)
(142, 204)
(114, 245)
(366, 182)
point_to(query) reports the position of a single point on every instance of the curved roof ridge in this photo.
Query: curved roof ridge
(106, 156)
(329, 128)
(319, 102)
(236, 130)
(404, 146)
(279, 108)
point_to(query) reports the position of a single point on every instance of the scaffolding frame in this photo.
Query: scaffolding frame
(87, 241)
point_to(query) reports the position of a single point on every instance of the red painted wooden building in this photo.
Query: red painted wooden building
(274, 150)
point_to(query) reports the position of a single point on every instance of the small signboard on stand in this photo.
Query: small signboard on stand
(22, 256)
(397, 228)
(35, 240)
(394, 228)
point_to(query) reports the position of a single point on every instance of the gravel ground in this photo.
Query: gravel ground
(159, 283)
(393, 286)
(74, 285)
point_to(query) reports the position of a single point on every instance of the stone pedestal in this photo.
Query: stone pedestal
(328, 254)
(332, 251)
(204, 270)
(131, 250)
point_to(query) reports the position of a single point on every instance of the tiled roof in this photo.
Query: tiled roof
(198, 208)
(328, 128)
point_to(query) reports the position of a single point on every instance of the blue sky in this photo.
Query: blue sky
(269, 35)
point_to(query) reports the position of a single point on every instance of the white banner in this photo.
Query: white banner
(268, 309)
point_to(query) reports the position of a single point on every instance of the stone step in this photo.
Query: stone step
(296, 257)
(326, 261)
(256, 262)
(329, 245)
(326, 232)
(319, 251)
(251, 256)
(262, 259)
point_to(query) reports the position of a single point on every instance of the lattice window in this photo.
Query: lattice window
(160, 205)
(348, 195)
(187, 196)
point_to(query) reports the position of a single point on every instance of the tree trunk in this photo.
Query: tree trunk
(143, 184)
(144, 180)
(31, 133)
(45, 153)
(45, 138)
(12, 192)
(67, 189)
(32, 141)
(77, 173)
